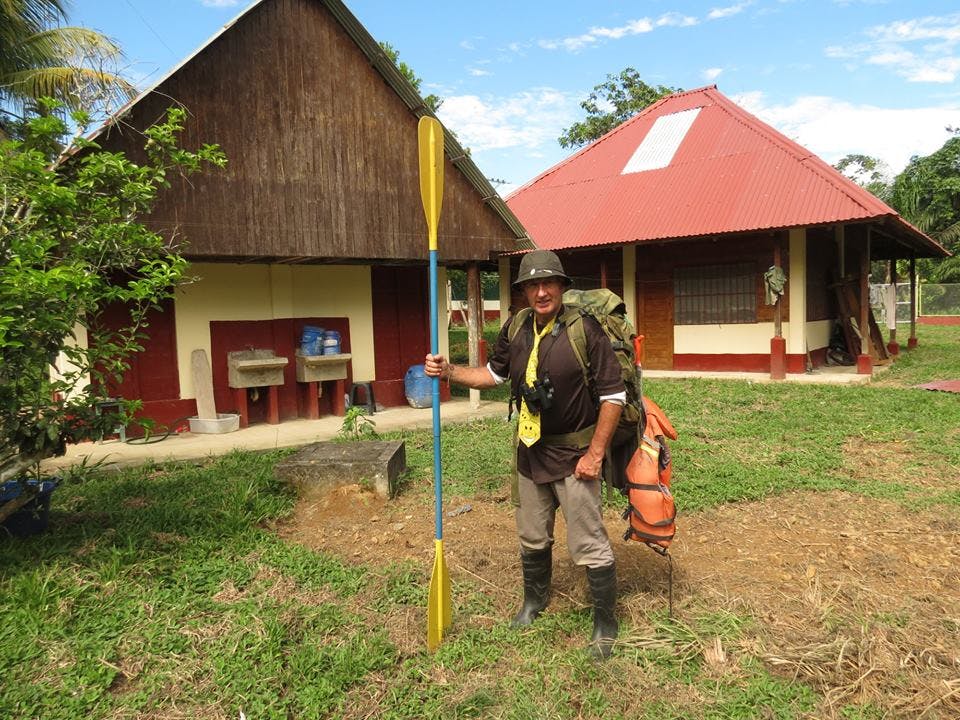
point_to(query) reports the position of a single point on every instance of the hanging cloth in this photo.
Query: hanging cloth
(529, 427)
(774, 281)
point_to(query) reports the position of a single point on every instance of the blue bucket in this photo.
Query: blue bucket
(32, 518)
(311, 340)
(331, 342)
(418, 387)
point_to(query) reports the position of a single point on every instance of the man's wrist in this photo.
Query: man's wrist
(450, 368)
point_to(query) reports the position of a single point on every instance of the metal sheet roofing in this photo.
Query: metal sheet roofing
(725, 172)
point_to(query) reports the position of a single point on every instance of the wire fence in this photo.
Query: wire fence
(933, 300)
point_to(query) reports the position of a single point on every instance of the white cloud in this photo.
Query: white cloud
(219, 3)
(919, 50)
(526, 120)
(711, 74)
(718, 13)
(832, 128)
(477, 72)
(641, 26)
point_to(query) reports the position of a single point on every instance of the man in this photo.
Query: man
(564, 430)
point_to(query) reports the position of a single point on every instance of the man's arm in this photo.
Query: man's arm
(478, 378)
(590, 464)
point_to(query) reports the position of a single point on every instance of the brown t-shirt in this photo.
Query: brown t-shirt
(573, 406)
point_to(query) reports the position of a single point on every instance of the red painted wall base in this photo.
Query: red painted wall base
(778, 358)
(939, 320)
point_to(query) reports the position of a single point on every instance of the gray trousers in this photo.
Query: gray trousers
(587, 538)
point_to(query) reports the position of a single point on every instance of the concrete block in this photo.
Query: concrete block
(319, 467)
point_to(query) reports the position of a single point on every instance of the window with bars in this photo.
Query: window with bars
(715, 294)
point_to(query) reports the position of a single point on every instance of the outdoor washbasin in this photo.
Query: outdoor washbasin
(255, 368)
(318, 368)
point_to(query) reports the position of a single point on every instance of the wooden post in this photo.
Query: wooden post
(864, 362)
(313, 400)
(603, 273)
(240, 400)
(892, 346)
(273, 405)
(912, 342)
(778, 345)
(474, 323)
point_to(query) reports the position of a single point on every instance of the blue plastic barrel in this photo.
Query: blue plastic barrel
(331, 342)
(311, 340)
(418, 387)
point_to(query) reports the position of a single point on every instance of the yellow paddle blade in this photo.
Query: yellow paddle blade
(438, 602)
(430, 140)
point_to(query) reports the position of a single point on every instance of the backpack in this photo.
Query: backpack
(610, 312)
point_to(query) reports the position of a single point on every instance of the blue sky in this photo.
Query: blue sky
(879, 77)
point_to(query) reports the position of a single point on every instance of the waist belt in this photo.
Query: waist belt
(580, 438)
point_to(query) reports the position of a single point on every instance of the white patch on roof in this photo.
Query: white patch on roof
(661, 143)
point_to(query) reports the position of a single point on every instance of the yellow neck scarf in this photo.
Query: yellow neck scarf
(529, 427)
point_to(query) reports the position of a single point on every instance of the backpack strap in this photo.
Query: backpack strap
(573, 319)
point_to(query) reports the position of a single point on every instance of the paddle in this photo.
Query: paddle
(430, 137)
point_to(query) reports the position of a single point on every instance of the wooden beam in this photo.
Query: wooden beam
(912, 342)
(474, 322)
(864, 362)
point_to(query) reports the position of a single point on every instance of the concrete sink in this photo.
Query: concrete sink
(319, 368)
(255, 368)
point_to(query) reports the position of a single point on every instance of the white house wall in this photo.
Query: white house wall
(734, 338)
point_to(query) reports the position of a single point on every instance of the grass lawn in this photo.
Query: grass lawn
(168, 592)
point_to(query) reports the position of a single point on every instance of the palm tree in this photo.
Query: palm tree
(40, 58)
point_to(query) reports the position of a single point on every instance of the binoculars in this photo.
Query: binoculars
(539, 396)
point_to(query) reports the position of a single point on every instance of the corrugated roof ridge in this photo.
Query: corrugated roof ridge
(649, 109)
(805, 157)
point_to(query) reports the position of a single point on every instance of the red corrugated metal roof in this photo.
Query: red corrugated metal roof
(731, 173)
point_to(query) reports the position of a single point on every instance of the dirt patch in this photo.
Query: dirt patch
(854, 595)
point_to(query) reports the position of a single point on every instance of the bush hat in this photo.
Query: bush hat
(538, 265)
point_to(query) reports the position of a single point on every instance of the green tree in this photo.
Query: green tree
(927, 193)
(867, 171)
(431, 101)
(41, 58)
(70, 245)
(611, 103)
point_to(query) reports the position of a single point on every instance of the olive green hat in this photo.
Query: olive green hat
(540, 264)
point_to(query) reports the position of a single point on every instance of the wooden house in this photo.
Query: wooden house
(317, 218)
(684, 209)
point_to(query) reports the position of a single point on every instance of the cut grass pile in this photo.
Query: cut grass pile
(165, 592)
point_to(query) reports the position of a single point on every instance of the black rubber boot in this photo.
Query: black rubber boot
(537, 568)
(603, 590)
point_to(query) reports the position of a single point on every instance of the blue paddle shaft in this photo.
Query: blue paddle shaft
(435, 349)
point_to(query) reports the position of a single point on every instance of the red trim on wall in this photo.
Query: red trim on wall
(457, 316)
(153, 371)
(401, 324)
(722, 362)
(939, 320)
(796, 364)
(818, 357)
(759, 363)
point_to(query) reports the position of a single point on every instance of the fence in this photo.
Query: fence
(932, 300)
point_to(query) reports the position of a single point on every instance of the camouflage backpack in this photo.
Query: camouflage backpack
(610, 312)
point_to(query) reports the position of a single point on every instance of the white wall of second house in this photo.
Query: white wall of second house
(729, 339)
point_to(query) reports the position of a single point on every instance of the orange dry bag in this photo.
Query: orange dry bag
(651, 511)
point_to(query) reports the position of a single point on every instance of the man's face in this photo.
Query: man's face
(544, 297)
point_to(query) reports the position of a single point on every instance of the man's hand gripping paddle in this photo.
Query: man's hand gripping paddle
(430, 137)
